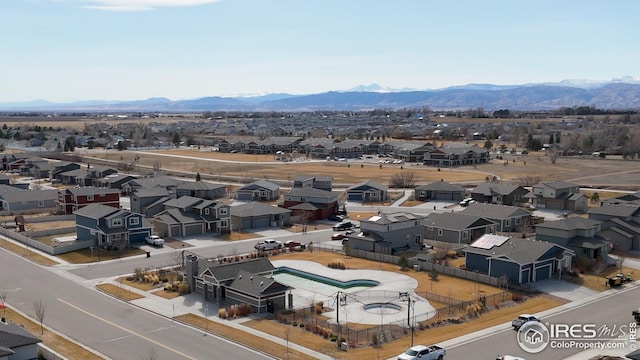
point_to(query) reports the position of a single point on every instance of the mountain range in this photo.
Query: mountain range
(619, 94)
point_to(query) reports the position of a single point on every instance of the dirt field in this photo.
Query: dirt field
(586, 171)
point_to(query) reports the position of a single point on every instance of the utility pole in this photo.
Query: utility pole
(410, 302)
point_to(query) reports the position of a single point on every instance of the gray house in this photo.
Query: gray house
(260, 190)
(457, 228)
(439, 191)
(620, 225)
(213, 282)
(389, 233)
(188, 216)
(15, 199)
(520, 260)
(111, 227)
(501, 194)
(367, 191)
(558, 195)
(150, 202)
(321, 182)
(507, 218)
(576, 233)
(201, 189)
(258, 215)
(158, 181)
(16, 343)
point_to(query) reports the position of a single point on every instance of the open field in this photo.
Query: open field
(586, 171)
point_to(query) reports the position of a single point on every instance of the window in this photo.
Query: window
(303, 200)
(465, 234)
(418, 239)
(507, 223)
(134, 220)
(224, 211)
(429, 228)
(518, 220)
(40, 203)
(439, 232)
(92, 231)
(89, 197)
(223, 224)
(116, 222)
(207, 211)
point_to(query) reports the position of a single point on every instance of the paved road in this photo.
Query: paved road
(113, 328)
(613, 310)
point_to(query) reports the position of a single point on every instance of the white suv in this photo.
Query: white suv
(268, 244)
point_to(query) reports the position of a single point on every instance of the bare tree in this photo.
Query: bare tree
(404, 179)
(175, 258)
(620, 261)
(527, 180)
(40, 309)
(525, 227)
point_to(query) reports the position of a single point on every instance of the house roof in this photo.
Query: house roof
(517, 250)
(487, 189)
(260, 184)
(199, 185)
(390, 218)
(614, 210)
(494, 211)
(255, 285)
(369, 184)
(88, 190)
(151, 182)
(184, 202)
(14, 336)
(305, 206)
(440, 186)
(572, 223)
(299, 178)
(256, 209)
(557, 185)
(595, 242)
(98, 211)
(224, 272)
(153, 192)
(12, 194)
(311, 192)
(456, 221)
(175, 216)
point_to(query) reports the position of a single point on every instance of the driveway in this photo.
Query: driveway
(564, 289)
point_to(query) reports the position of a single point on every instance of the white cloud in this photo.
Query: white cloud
(141, 5)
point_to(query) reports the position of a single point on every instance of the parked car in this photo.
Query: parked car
(346, 225)
(268, 244)
(337, 236)
(155, 240)
(421, 352)
(466, 202)
(508, 357)
(291, 244)
(523, 319)
(335, 217)
(350, 231)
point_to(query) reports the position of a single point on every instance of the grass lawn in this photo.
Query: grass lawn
(120, 292)
(59, 344)
(597, 282)
(26, 253)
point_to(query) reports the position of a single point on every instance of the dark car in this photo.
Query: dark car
(337, 236)
(291, 244)
(343, 226)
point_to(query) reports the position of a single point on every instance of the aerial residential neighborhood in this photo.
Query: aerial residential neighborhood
(236, 236)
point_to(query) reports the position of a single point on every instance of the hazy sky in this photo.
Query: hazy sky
(67, 50)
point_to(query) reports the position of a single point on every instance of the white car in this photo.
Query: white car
(268, 244)
(155, 240)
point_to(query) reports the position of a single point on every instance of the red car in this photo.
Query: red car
(337, 236)
(291, 244)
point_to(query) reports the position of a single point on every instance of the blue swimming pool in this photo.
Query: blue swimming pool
(317, 283)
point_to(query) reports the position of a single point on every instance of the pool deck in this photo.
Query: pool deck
(351, 308)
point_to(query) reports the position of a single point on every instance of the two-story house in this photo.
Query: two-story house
(72, 199)
(201, 189)
(558, 195)
(309, 204)
(189, 216)
(620, 224)
(150, 202)
(456, 156)
(111, 227)
(576, 233)
(321, 182)
(16, 199)
(389, 233)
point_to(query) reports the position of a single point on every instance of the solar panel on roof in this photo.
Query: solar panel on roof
(487, 241)
(374, 218)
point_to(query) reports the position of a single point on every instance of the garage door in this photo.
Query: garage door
(543, 273)
(261, 222)
(193, 229)
(355, 197)
(174, 230)
(244, 196)
(137, 237)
